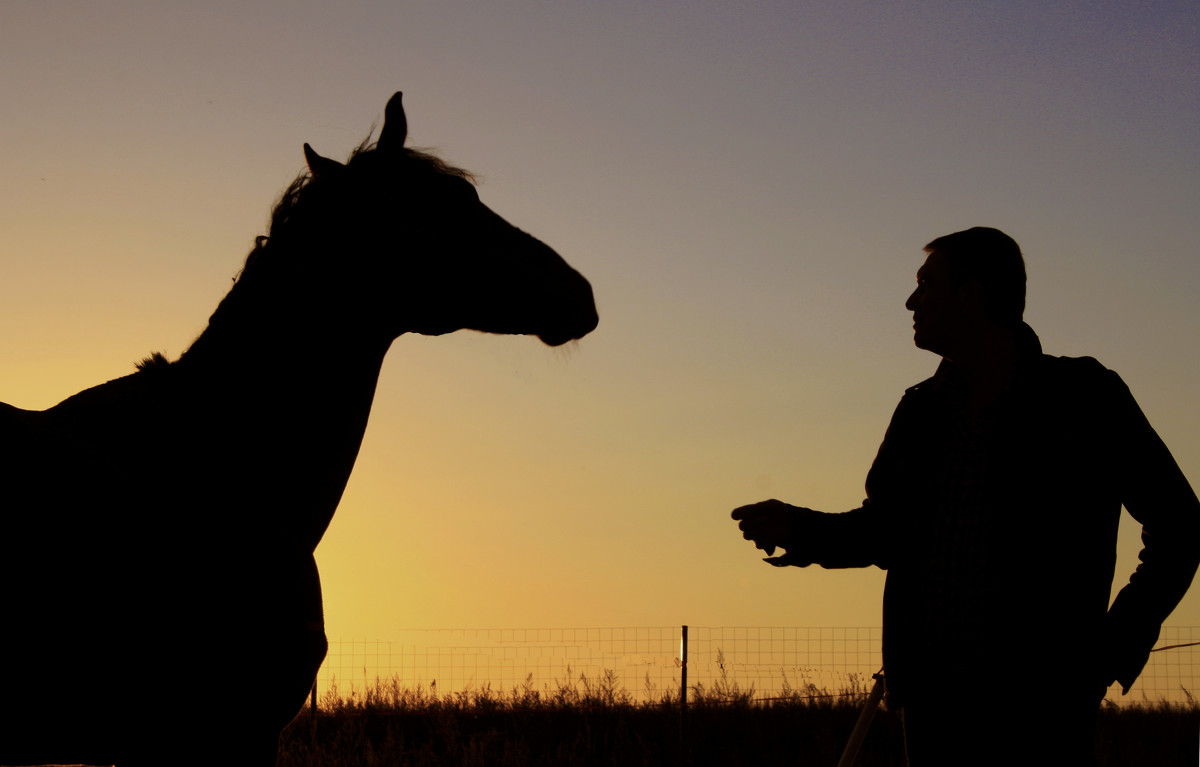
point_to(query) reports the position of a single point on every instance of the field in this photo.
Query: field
(594, 722)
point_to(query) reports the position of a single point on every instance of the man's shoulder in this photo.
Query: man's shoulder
(1041, 372)
(1081, 364)
(1072, 385)
(1073, 370)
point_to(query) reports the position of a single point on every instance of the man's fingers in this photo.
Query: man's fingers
(760, 523)
(785, 560)
(769, 525)
(755, 509)
(759, 537)
(742, 512)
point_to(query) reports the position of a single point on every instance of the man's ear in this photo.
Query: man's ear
(970, 291)
(971, 297)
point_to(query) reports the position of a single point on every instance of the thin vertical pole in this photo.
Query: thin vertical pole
(683, 648)
(683, 717)
(313, 702)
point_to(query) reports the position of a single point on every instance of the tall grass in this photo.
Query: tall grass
(581, 720)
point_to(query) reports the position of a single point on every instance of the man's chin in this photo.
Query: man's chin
(923, 342)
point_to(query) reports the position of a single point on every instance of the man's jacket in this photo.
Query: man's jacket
(999, 533)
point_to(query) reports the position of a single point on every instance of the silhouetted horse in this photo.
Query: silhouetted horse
(161, 603)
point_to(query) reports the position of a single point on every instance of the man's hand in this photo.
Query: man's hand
(772, 524)
(1126, 646)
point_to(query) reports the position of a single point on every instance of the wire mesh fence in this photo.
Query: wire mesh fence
(1172, 673)
(647, 662)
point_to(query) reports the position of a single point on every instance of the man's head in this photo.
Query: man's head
(970, 280)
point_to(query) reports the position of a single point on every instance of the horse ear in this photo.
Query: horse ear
(395, 124)
(318, 165)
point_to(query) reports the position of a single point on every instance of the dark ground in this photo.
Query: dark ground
(626, 735)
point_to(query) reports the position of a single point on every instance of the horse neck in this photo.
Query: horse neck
(291, 399)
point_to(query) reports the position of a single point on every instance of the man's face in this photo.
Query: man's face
(939, 309)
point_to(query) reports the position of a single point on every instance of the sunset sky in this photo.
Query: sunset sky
(748, 187)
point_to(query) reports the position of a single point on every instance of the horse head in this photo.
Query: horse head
(421, 253)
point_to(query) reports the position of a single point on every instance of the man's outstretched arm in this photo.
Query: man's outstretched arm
(810, 537)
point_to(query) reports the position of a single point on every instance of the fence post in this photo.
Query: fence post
(683, 648)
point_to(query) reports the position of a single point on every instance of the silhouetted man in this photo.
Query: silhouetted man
(993, 504)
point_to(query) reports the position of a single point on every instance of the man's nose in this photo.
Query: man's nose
(911, 303)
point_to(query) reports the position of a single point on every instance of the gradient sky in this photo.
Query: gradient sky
(747, 185)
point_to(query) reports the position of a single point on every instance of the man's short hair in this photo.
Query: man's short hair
(992, 258)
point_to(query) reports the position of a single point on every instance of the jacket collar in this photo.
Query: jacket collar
(948, 380)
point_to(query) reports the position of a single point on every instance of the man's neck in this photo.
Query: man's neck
(987, 365)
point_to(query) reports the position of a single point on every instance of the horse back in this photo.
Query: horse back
(22, 448)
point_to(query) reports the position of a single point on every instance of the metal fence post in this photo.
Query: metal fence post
(683, 648)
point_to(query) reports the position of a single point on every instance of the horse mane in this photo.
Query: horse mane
(294, 194)
(155, 361)
(290, 208)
